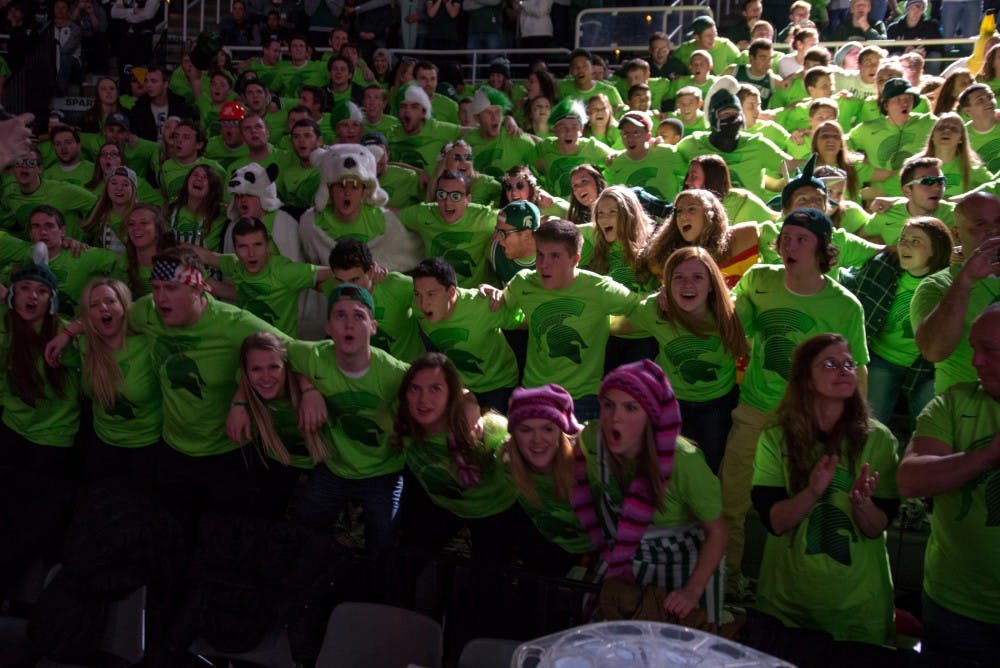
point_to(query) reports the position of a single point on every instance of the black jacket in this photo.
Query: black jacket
(141, 115)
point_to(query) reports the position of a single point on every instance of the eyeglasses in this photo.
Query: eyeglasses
(831, 364)
(516, 185)
(503, 234)
(453, 195)
(26, 162)
(928, 181)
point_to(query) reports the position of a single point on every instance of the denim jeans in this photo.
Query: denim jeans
(963, 16)
(326, 495)
(885, 381)
(949, 634)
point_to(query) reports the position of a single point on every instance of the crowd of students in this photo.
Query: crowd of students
(581, 322)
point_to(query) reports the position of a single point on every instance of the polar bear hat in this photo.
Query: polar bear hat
(344, 161)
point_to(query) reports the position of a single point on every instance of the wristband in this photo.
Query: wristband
(240, 403)
(70, 333)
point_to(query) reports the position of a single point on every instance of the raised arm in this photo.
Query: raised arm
(930, 467)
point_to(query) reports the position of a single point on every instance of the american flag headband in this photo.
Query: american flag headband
(170, 269)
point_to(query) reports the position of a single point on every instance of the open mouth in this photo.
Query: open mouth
(608, 230)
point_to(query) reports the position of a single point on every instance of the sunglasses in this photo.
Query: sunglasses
(927, 181)
(832, 364)
(454, 195)
(516, 185)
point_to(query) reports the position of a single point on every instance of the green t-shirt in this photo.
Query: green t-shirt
(369, 224)
(216, 149)
(472, 339)
(894, 342)
(361, 410)
(753, 159)
(286, 425)
(402, 185)
(656, 173)
(74, 202)
(700, 124)
(853, 217)
(953, 174)
(54, 419)
(386, 125)
(568, 329)
(699, 368)
(310, 73)
(143, 157)
(612, 137)
(496, 156)
(558, 167)
(618, 268)
(485, 190)
(196, 367)
(778, 320)
(957, 367)
(724, 53)
(78, 176)
(73, 274)
(421, 150)
(397, 333)
(567, 89)
(136, 418)
(963, 550)
(555, 518)
(272, 294)
(465, 244)
(887, 146)
(269, 75)
(742, 206)
(772, 131)
(189, 229)
(693, 492)
(274, 157)
(888, 224)
(173, 173)
(986, 145)
(297, 185)
(443, 108)
(432, 464)
(825, 573)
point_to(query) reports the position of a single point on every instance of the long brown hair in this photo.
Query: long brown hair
(270, 439)
(967, 158)
(211, 208)
(714, 234)
(99, 364)
(720, 305)
(804, 442)
(459, 428)
(845, 159)
(578, 213)
(632, 228)
(25, 347)
(131, 253)
(100, 214)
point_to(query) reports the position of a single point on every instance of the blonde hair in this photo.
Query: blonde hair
(99, 364)
(563, 469)
(270, 439)
(968, 159)
(632, 229)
